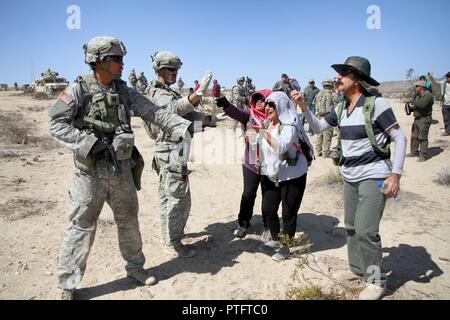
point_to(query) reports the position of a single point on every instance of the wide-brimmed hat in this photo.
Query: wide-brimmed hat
(360, 66)
(421, 83)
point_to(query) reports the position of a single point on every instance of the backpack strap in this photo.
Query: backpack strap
(368, 110)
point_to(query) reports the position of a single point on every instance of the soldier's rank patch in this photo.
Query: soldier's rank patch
(64, 97)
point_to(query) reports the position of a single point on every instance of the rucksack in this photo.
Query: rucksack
(368, 110)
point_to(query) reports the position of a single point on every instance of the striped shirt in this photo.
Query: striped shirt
(361, 160)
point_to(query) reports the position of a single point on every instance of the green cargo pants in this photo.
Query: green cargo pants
(364, 205)
(419, 136)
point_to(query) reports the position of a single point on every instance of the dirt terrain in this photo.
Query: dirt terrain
(36, 172)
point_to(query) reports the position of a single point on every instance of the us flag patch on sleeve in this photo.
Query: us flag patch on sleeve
(64, 97)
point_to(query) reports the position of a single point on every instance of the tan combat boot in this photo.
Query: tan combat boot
(64, 295)
(142, 276)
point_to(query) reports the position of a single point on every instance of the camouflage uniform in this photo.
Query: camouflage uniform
(180, 84)
(174, 191)
(324, 102)
(96, 180)
(142, 83)
(133, 79)
(249, 87)
(238, 99)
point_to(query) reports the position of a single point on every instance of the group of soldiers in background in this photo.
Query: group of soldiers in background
(140, 84)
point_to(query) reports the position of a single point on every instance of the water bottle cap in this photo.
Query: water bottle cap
(379, 184)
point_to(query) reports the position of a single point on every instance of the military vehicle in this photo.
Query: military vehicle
(49, 82)
(3, 87)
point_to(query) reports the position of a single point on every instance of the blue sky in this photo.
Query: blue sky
(260, 39)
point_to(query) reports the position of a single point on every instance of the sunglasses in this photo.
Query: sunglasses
(345, 71)
(172, 69)
(270, 104)
(117, 59)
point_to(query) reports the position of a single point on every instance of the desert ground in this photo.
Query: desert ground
(36, 172)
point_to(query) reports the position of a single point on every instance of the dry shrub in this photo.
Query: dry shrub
(44, 96)
(14, 129)
(333, 178)
(21, 207)
(443, 177)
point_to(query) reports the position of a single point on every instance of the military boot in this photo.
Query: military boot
(179, 250)
(64, 295)
(141, 276)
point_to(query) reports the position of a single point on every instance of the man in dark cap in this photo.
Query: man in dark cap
(284, 85)
(363, 166)
(423, 108)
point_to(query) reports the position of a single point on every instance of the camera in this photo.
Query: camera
(408, 108)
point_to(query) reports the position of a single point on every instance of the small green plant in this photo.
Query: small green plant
(300, 288)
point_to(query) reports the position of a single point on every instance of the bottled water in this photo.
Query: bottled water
(384, 188)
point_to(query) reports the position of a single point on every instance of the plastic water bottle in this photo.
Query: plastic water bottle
(384, 189)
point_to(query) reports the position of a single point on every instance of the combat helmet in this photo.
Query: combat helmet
(327, 83)
(165, 59)
(100, 47)
(240, 79)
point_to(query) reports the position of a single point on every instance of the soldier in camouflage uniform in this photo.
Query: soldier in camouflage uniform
(249, 87)
(180, 84)
(239, 99)
(170, 161)
(324, 102)
(133, 79)
(142, 83)
(91, 117)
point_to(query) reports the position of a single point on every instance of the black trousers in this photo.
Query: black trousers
(446, 116)
(290, 194)
(251, 184)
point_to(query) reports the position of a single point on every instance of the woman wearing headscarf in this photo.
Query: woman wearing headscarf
(256, 115)
(285, 153)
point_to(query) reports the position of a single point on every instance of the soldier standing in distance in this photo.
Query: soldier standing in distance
(91, 117)
(133, 79)
(238, 99)
(324, 102)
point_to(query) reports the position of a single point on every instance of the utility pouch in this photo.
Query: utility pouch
(123, 145)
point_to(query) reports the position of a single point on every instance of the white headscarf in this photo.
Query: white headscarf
(287, 113)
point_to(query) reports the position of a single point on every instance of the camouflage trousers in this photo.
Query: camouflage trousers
(88, 194)
(324, 142)
(175, 201)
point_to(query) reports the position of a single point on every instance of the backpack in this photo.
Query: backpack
(368, 110)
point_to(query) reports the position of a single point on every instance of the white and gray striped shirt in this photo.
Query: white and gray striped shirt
(361, 160)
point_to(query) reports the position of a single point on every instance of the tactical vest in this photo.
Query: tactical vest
(152, 130)
(324, 102)
(104, 114)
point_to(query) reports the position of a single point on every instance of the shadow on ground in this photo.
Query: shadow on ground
(221, 250)
(407, 263)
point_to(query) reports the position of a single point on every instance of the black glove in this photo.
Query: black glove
(98, 149)
(223, 102)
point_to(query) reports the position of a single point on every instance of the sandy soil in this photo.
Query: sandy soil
(35, 175)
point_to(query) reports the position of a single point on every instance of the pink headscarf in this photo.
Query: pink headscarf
(259, 116)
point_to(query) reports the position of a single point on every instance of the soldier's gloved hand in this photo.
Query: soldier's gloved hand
(223, 102)
(98, 149)
(204, 84)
